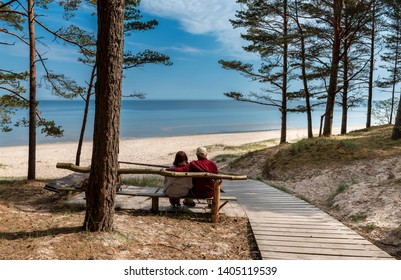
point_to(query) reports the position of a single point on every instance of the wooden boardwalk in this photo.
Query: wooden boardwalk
(288, 228)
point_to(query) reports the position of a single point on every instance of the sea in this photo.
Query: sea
(156, 118)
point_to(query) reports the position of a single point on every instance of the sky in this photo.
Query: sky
(196, 34)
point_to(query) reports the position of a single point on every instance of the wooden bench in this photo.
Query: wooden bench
(69, 183)
(72, 183)
(155, 196)
(216, 206)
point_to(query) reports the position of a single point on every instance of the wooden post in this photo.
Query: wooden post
(119, 174)
(216, 201)
(155, 205)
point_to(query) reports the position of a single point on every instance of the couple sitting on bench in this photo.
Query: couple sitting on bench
(176, 187)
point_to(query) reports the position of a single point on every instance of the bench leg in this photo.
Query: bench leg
(155, 205)
(222, 205)
(216, 202)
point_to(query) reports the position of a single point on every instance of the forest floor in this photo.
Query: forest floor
(37, 224)
(356, 178)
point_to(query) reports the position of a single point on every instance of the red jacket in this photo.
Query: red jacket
(202, 187)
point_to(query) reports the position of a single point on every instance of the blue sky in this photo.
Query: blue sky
(194, 33)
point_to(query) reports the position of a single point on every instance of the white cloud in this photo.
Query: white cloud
(202, 17)
(184, 49)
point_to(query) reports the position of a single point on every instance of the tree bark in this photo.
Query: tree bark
(396, 133)
(347, 43)
(395, 72)
(85, 117)
(304, 75)
(332, 90)
(101, 187)
(371, 67)
(283, 108)
(32, 93)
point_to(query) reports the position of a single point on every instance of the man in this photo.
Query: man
(202, 187)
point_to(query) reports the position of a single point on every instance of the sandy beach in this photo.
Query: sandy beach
(157, 150)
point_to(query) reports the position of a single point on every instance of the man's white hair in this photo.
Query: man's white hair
(201, 151)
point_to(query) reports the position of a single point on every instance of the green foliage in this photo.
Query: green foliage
(381, 110)
(62, 86)
(340, 188)
(224, 158)
(154, 181)
(84, 39)
(13, 20)
(49, 128)
(13, 81)
(11, 101)
(320, 150)
(356, 218)
(280, 187)
(332, 152)
(145, 57)
(369, 227)
(264, 23)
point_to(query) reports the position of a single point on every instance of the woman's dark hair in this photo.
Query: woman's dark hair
(181, 159)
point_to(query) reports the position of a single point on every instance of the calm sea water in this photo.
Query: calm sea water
(153, 118)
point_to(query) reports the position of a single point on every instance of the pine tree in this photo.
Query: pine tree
(100, 192)
(133, 22)
(14, 17)
(392, 55)
(267, 30)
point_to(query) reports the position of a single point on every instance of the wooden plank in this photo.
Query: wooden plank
(306, 226)
(311, 243)
(68, 183)
(64, 189)
(323, 251)
(342, 231)
(283, 209)
(296, 256)
(304, 234)
(267, 238)
(266, 214)
(155, 205)
(311, 229)
(161, 195)
(161, 172)
(295, 222)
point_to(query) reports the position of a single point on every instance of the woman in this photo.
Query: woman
(176, 187)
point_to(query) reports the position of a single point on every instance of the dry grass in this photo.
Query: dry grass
(36, 224)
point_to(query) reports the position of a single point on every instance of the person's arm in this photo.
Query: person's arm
(184, 168)
(213, 167)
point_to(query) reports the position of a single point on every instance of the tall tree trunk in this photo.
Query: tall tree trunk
(85, 117)
(32, 93)
(306, 89)
(396, 133)
(395, 73)
(344, 104)
(371, 67)
(332, 90)
(101, 186)
(304, 75)
(283, 108)
(345, 77)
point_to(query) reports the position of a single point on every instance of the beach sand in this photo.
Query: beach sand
(157, 150)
